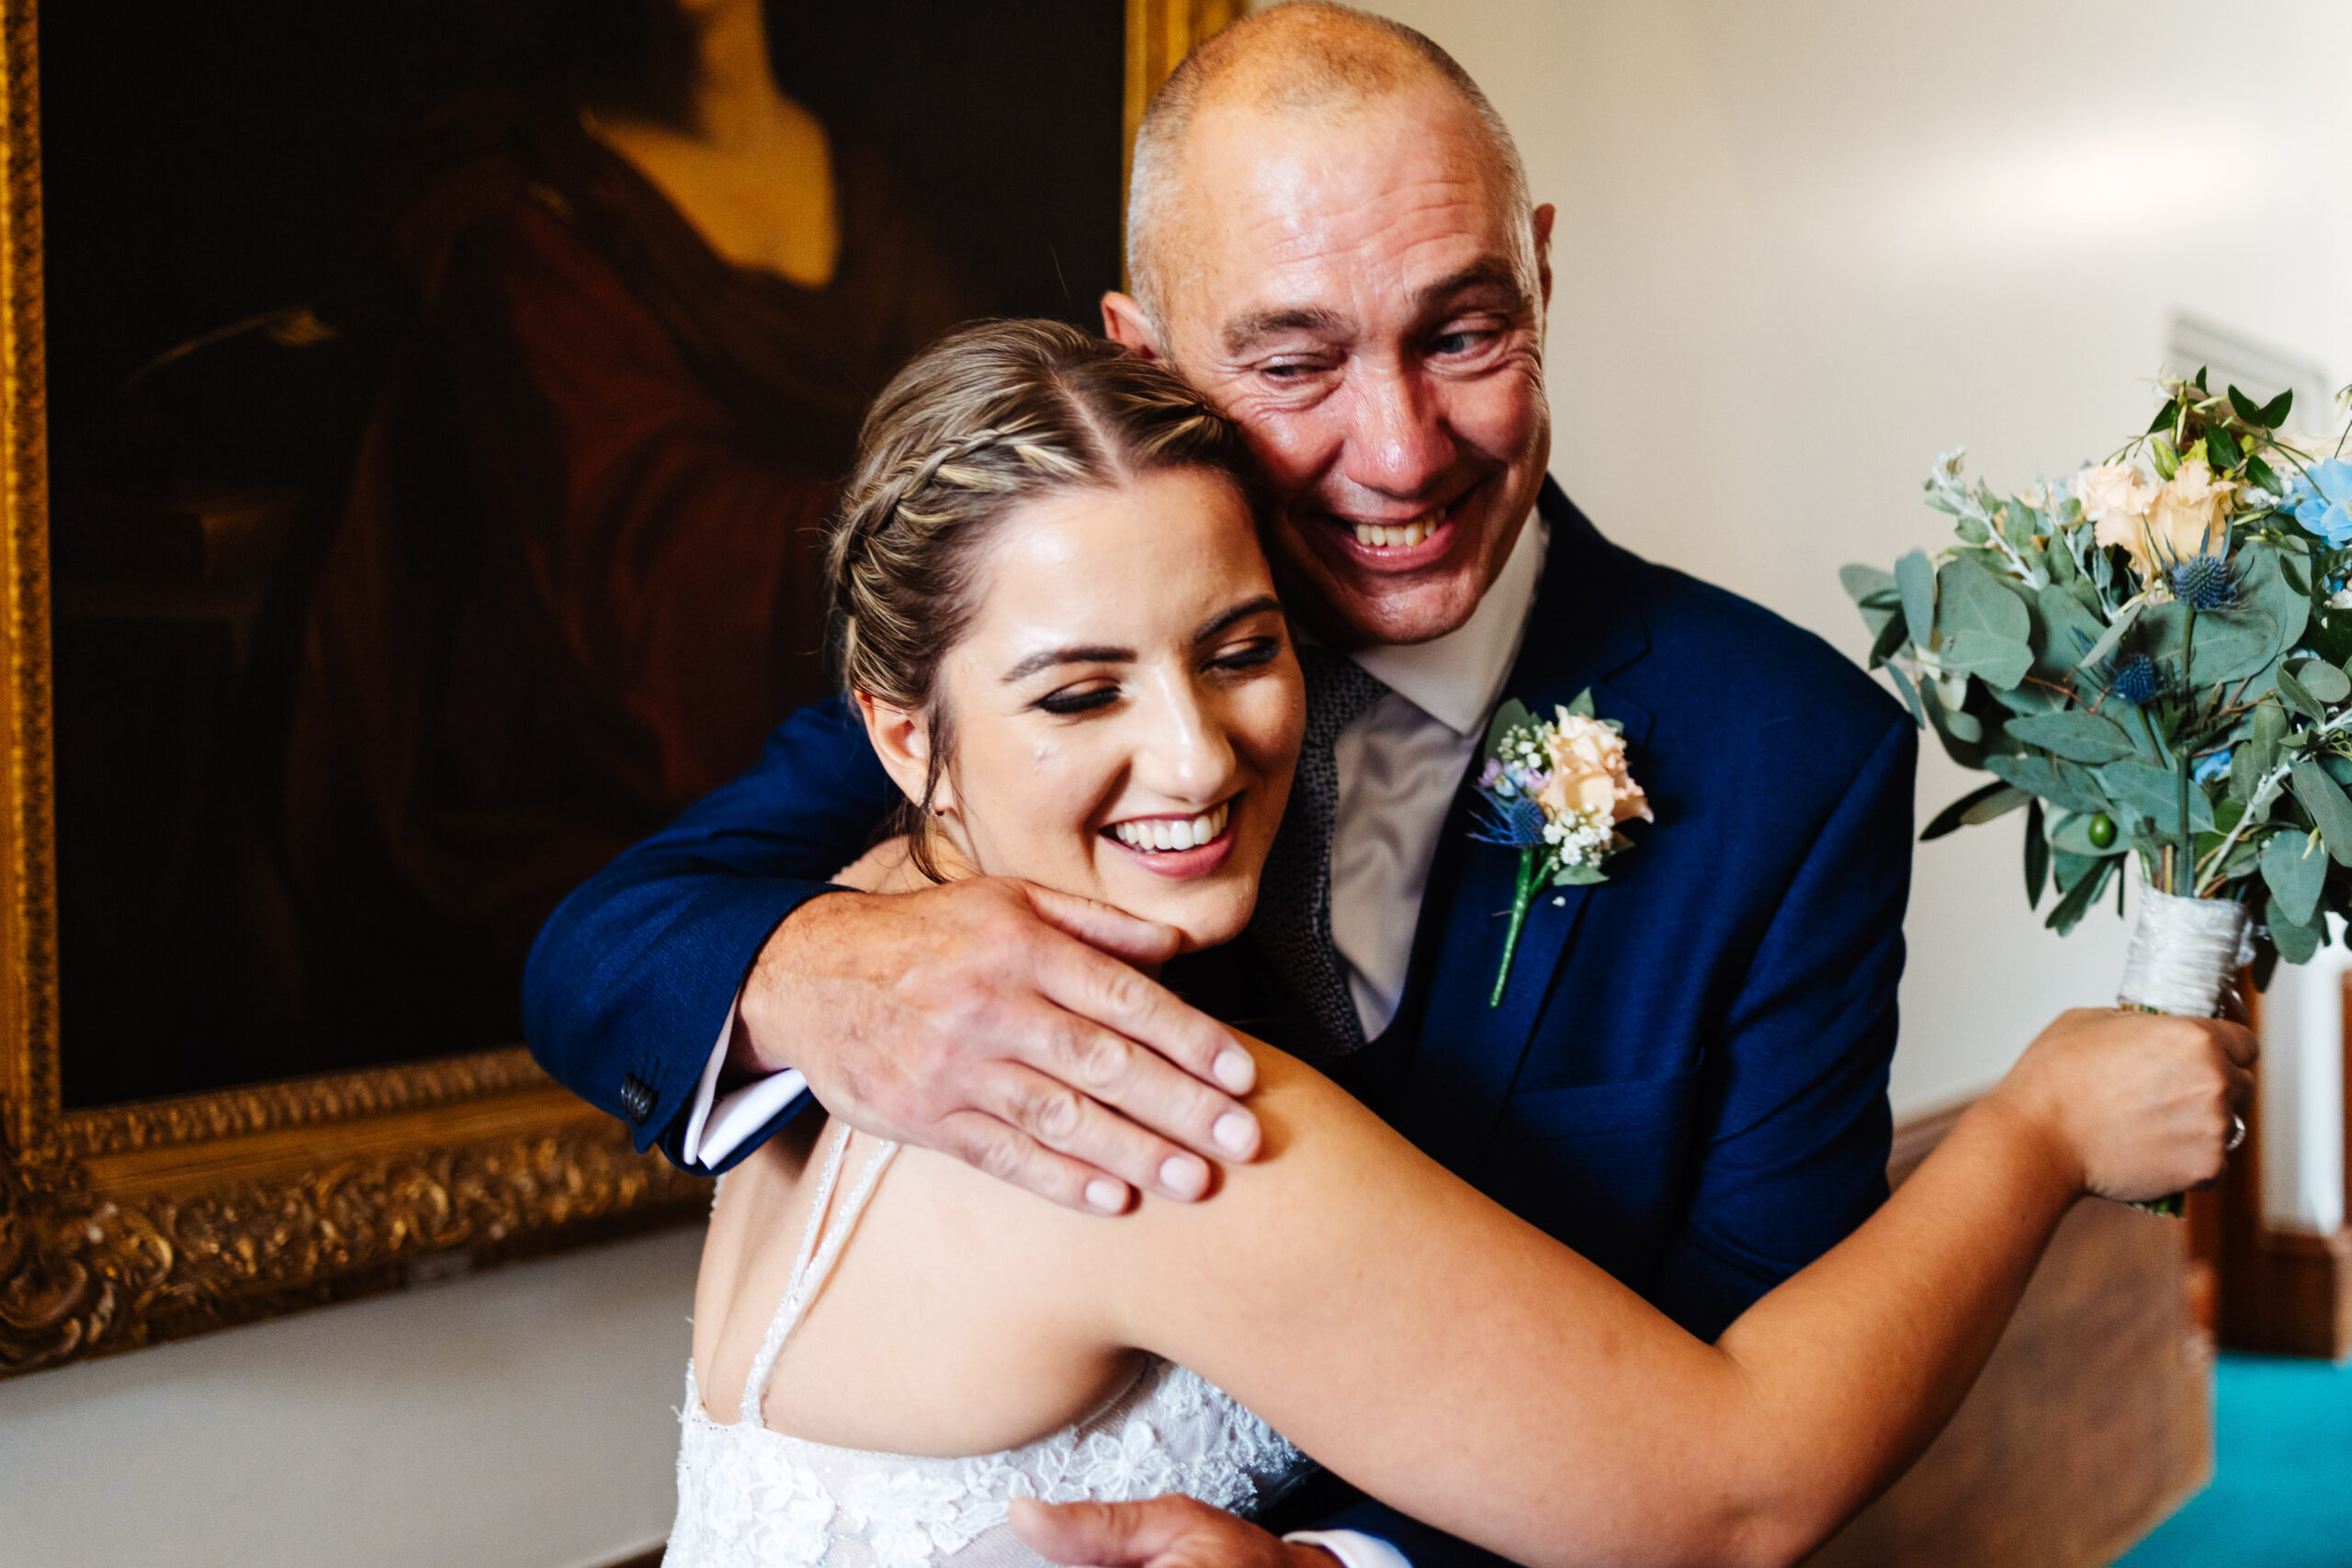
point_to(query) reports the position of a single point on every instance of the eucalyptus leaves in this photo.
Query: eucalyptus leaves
(2150, 664)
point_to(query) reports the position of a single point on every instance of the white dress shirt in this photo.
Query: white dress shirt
(1400, 764)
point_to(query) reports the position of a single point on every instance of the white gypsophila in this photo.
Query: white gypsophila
(1525, 748)
(1579, 840)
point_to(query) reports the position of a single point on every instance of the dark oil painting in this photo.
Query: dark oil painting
(444, 403)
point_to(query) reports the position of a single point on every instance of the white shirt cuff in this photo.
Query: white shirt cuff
(1353, 1548)
(717, 1127)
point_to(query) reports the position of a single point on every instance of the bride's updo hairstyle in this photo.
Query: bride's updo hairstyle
(988, 418)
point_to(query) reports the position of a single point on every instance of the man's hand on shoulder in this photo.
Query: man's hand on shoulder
(1004, 1024)
(1174, 1531)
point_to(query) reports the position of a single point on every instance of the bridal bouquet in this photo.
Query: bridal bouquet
(2149, 659)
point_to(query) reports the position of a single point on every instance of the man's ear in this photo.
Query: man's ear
(1544, 216)
(1124, 324)
(902, 741)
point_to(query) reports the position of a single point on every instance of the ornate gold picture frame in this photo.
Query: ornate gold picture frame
(126, 1225)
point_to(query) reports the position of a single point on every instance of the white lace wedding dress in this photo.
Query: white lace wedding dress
(749, 1497)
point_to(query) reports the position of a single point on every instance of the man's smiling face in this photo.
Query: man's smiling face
(1357, 289)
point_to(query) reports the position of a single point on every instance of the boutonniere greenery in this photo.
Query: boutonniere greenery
(1555, 790)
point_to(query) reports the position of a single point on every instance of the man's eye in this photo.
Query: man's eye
(1252, 655)
(1078, 699)
(1463, 342)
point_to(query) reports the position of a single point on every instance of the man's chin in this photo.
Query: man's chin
(1412, 589)
(1356, 608)
(1419, 614)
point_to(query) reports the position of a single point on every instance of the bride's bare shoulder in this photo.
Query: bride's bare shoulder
(1321, 1147)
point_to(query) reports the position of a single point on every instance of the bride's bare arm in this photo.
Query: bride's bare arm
(1463, 1366)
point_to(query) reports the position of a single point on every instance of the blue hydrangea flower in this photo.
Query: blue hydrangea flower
(2211, 768)
(2322, 501)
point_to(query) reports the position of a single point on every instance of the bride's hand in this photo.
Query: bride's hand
(2138, 1105)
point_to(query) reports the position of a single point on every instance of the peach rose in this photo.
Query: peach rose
(2187, 518)
(2116, 497)
(1588, 775)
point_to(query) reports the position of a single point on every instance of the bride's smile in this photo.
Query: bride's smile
(1122, 709)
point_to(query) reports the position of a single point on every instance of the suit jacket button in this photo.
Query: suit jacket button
(637, 1098)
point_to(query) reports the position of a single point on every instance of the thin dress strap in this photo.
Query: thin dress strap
(814, 1262)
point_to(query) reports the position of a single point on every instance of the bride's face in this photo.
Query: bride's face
(1124, 709)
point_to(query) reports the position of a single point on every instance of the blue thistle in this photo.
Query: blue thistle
(1515, 823)
(2136, 680)
(2203, 582)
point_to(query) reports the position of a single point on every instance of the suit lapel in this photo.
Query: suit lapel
(1586, 624)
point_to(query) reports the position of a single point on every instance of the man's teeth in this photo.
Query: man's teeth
(1158, 833)
(1381, 536)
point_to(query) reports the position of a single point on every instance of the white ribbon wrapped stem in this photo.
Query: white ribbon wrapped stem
(2183, 952)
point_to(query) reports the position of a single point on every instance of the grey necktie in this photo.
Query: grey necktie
(1293, 923)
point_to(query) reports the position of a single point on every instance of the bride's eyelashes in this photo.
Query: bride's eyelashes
(1078, 699)
(1087, 696)
(1255, 654)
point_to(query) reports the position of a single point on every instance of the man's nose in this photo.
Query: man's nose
(1397, 442)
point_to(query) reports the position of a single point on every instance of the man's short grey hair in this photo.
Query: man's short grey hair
(1298, 58)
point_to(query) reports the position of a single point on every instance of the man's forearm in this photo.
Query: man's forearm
(634, 974)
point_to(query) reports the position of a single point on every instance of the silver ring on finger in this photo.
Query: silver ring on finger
(2237, 1133)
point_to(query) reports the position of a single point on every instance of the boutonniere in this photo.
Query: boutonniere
(1554, 791)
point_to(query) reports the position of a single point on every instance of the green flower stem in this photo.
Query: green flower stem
(1520, 902)
(2184, 876)
(2161, 873)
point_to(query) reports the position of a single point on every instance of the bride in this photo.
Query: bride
(1065, 642)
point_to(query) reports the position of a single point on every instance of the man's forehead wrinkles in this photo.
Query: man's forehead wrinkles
(1299, 200)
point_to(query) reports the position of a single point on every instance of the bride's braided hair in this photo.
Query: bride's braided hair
(988, 417)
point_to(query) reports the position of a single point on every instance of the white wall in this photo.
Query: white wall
(1804, 247)
(520, 1418)
(2303, 1095)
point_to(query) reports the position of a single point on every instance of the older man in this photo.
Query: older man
(1684, 1077)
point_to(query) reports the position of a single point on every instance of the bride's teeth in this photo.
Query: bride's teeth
(1166, 835)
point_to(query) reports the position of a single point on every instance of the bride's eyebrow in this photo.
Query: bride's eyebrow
(1053, 656)
(1224, 618)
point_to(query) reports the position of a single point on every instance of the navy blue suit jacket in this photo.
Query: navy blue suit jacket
(1686, 1080)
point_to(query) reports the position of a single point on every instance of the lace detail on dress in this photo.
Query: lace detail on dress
(750, 1497)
